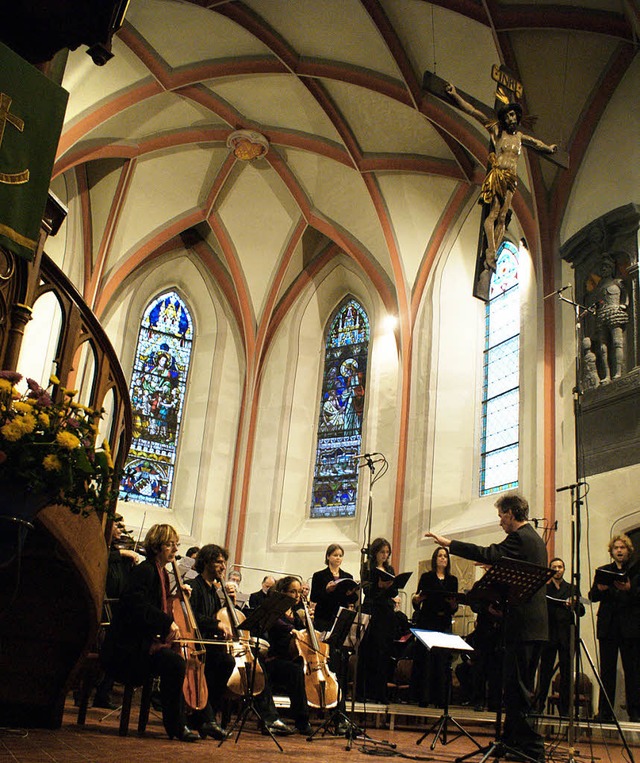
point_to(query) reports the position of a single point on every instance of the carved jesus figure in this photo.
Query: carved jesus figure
(502, 178)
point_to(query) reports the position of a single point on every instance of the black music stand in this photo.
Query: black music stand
(259, 621)
(507, 583)
(449, 643)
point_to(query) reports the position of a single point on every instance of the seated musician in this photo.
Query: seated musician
(141, 639)
(257, 597)
(213, 623)
(210, 565)
(284, 664)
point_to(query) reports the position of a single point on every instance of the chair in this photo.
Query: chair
(583, 694)
(401, 680)
(145, 707)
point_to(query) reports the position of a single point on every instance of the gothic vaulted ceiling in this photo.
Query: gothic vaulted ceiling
(361, 160)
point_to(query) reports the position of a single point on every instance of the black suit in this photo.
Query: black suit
(560, 620)
(139, 622)
(618, 630)
(526, 629)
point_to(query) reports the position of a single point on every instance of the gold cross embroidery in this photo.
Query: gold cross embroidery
(10, 178)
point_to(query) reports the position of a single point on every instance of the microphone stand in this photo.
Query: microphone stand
(353, 730)
(577, 500)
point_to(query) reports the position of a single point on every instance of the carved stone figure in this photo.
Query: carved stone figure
(590, 378)
(611, 300)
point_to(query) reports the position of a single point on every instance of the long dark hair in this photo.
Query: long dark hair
(376, 546)
(434, 560)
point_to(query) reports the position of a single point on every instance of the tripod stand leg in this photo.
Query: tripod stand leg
(582, 645)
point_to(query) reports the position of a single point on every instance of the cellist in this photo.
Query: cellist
(140, 640)
(284, 664)
(211, 564)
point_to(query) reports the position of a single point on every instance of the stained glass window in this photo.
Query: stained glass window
(158, 386)
(335, 482)
(499, 448)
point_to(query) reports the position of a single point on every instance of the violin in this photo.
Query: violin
(320, 683)
(191, 647)
(247, 676)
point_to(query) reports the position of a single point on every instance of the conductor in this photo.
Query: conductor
(526, 624)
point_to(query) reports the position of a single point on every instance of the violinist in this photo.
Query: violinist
(210, 565)
(284, 664)
(141, 638)
(122, 559)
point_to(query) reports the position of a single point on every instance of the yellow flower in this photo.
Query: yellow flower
(44, 420)
(27, 423)
(5, 385)
(107, 452)
(22, 407)
(12, 431)
(53, 379)
(67, 440)
(52, 463)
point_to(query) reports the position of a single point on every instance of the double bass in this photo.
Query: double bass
(247, 676)
(191, 646)
(320, 683)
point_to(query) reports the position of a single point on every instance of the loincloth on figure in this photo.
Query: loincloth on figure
(497, 182)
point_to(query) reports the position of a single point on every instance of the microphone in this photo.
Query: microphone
(364, 455)
(558, 291)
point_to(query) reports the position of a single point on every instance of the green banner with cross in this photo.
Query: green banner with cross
(32, 111)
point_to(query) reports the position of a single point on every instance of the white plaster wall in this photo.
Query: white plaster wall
(279, 535)
(610, 172)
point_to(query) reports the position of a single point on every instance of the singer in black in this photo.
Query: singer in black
(325, 591)
(618, 628)
(562, 601)
(375, 655)
(434, 610)
(526, 624)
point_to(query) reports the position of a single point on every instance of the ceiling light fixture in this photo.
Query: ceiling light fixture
(247, 145)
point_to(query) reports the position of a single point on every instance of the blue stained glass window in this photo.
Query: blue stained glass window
(335, 482)
(158, 386)
(501, 388)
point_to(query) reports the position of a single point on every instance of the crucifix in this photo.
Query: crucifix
(508, 132)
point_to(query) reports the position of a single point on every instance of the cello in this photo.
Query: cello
(248, 676)
(191, 646)
(320, 683)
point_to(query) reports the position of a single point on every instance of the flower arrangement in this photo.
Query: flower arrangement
(47, 448)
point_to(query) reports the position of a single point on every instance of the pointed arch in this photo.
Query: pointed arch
(158, 387)
(335, 479)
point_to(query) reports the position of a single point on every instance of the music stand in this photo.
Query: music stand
(259, 621)
(509, 582)
(449, 643)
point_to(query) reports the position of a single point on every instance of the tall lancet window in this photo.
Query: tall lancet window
(158, 386)
(335, 481)
(501, 388)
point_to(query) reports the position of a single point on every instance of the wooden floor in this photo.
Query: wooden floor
(98, 742)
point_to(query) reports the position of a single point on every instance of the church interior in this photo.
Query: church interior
(267, 262)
